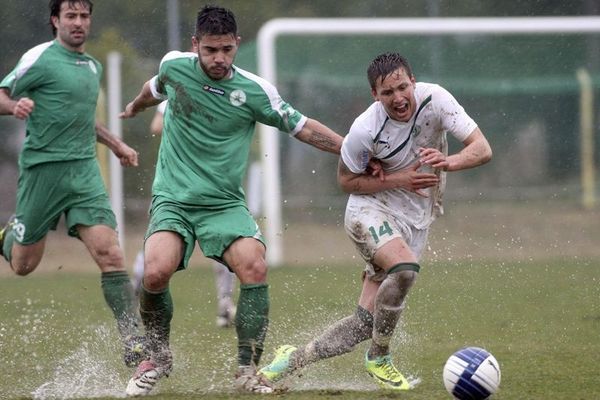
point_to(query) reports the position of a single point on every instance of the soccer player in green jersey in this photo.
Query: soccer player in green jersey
(197, 191)
(224, 278)
(54, 87)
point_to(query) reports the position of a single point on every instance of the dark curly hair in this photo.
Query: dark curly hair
(215, 20)
(54, 6)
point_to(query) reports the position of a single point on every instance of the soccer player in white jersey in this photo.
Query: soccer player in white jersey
(388, 220)
(197, 192)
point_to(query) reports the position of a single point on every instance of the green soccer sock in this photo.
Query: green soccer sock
(251, 322)
(120, 297)
(156, 309)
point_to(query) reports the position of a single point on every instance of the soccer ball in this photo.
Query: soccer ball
(471, 373)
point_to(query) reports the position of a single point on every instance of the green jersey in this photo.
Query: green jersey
(208, 129)
(64, 86)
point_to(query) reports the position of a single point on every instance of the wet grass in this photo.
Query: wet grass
(541, 320)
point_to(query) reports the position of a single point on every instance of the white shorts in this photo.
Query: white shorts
(370, 228)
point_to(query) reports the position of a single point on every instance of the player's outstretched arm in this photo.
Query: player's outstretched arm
(477, 151)
(19, 108)
(318, 135)
(409, 179)
(127, 155)
(142, 101)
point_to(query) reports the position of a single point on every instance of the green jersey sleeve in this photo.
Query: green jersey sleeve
(28, 74)
(270, 109)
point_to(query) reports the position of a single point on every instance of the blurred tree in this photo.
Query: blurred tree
(138, 29)
(142, 23)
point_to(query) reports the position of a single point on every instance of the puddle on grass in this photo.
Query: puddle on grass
(88, 372)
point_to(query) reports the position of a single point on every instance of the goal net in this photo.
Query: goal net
(517, 77)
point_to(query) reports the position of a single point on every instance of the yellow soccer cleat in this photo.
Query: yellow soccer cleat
(386, 375)
(280, 366)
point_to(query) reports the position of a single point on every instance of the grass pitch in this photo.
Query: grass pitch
(540, 320)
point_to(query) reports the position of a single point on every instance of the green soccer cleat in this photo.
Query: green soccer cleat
(386, 375)
(280, 366)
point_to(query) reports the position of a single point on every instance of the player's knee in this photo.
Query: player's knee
(253, 271)
(24, 264)
(23, 268)
(155, 280)
(406, 278)
(156, 274)
(404, 274)
(109, 257)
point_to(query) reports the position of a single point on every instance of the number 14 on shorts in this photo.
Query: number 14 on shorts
(384, 229)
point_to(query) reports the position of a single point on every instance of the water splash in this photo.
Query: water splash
(84, 373)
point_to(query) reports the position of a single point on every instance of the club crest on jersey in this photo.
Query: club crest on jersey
(416, 130)
(213, 90)
(237, 97)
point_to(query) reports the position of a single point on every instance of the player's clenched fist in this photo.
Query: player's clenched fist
(23, 107)
(129, 112)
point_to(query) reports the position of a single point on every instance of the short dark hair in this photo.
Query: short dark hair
(215, 20)
(384, 64)
(54, 6)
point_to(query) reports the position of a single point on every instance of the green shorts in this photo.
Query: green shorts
(46, 191)
(214, 229)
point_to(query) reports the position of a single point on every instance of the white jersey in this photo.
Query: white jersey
(396, 144)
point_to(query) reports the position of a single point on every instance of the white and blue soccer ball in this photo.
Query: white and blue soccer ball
(472, 373)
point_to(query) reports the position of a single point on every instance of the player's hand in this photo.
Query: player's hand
(433, 158)
(129, 112)
(127, 155)
(413, 180)
(375, 168)
(23, 107)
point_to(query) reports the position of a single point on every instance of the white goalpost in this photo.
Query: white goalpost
(115, 127)
(266, 55)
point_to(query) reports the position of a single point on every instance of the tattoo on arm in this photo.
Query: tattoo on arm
(343, 169)
(351, 185)
(321, 141)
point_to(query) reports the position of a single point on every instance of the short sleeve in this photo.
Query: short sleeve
(27, 75)
(156, 89)
(271, 109)
(357, 148)
(281, 115)
(454, 118)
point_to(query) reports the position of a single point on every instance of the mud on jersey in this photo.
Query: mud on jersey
(208, 129)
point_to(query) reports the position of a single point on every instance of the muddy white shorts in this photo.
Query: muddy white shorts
(370, 228)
